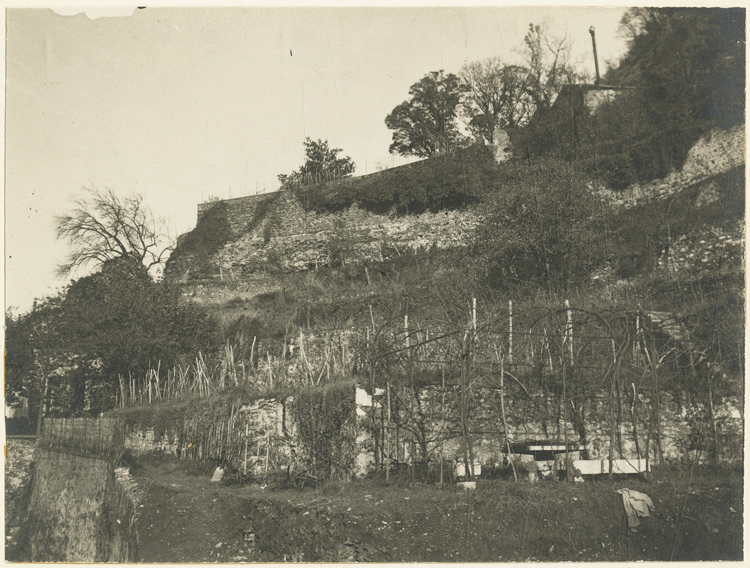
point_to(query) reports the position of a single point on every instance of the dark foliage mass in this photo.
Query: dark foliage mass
(684, 73)
(425, 124)
(325, 419)
(195, 249)
(322, 163)
(543, 228)
(444, 182)
(114, 323)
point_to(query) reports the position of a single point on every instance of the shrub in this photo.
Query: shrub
(325, 419)
(444, 182)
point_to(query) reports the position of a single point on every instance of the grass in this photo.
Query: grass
(698, 516)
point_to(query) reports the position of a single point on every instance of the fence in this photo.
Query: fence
(101, 438)
(631, 384)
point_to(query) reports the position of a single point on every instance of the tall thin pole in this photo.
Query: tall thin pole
(568, 472)
(442, 436)
(592, 31)
(510, 332)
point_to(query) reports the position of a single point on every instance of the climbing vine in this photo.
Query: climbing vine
(325, 419)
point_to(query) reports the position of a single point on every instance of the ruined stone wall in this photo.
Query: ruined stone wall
(240, 210)
(291, 239)
(286, 237)
(261, 437)
(543, 420)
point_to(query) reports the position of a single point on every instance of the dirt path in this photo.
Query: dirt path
(186, 518)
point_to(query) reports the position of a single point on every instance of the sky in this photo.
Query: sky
(183, 104)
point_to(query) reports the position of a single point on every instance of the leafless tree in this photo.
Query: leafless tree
(548, 60)
(103, 226)
(494, 95)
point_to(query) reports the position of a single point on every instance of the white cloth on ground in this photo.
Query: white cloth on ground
(636, 505)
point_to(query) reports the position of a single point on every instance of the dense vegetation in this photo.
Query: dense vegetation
(683, 75)
(75, 349)
(444, 182)
(546, 238)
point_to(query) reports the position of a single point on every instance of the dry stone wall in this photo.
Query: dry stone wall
(294, 240)
(716, 153)
(258, 437)
(274, 230)
(440, 427)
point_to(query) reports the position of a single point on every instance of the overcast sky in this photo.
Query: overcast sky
(181, 104)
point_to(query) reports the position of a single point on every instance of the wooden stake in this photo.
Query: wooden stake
(569, 331)
(442, 421)
(387, 433)
(505, 423)
(510, 332)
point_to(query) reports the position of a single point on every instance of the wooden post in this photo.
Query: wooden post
(510, 332)
(386, 433)
(442, 421)
(568, 473)
(612, 411)
(505, 423)
(569, 331)
(373, 418)
(268, 446)
(634, 419)
(474, 314)
(469, 369)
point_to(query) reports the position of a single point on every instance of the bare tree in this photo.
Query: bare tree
(103, 226)
(548, 60)
(494, 95)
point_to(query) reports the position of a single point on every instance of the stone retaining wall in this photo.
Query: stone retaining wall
(76, 510)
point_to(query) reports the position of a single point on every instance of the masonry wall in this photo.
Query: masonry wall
(257, 436)
(264, 428)
(273, 230)
(77, 511)
(298, 241)
(533, 421)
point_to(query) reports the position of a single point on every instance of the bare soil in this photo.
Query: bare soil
(184, 517)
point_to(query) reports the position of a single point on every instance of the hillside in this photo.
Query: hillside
(355, 297)
(239, 243)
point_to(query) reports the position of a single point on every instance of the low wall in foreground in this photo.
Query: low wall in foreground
(77, 511)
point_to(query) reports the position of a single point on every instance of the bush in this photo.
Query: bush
(326, 421)
(444, 182)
